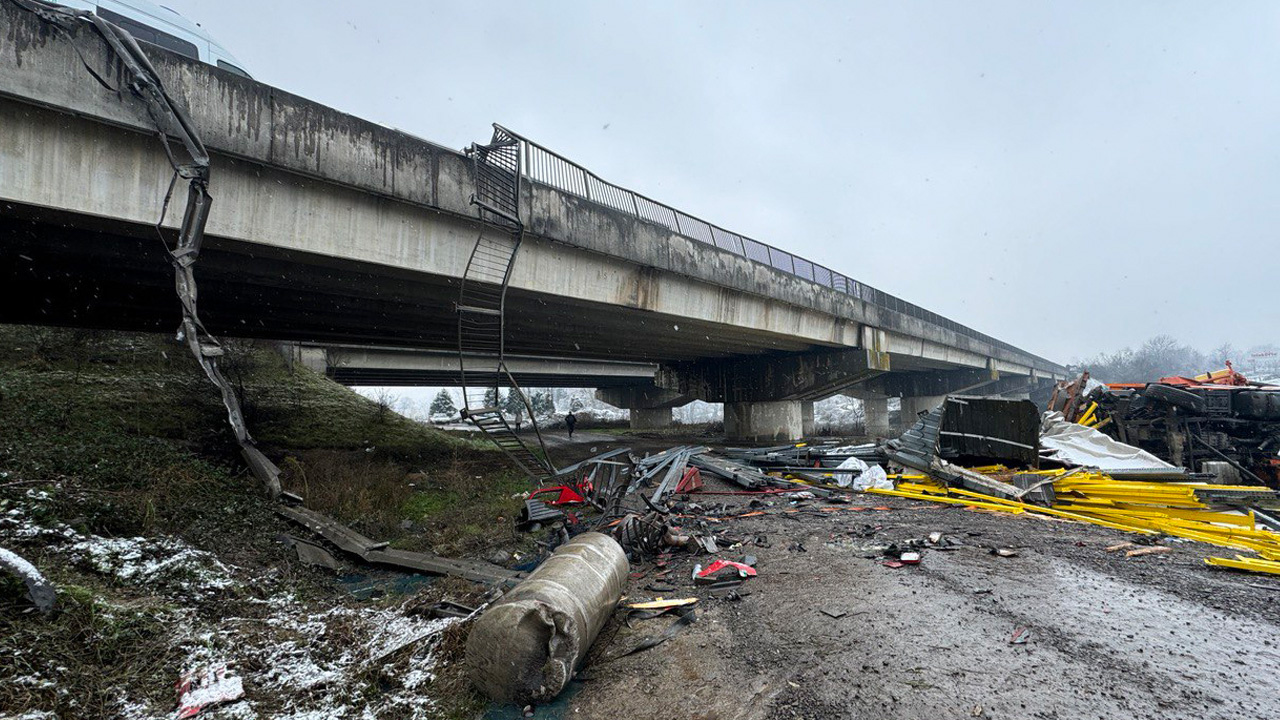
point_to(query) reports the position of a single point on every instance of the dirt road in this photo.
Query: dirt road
(1160, 636)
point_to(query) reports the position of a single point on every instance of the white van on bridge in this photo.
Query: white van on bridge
(160, 26)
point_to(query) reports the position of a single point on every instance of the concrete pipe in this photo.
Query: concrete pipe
(526, 647)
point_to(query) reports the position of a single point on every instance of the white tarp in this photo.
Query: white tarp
(1075, 444)
(872, 476)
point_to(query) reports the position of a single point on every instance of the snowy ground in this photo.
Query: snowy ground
(295, 658)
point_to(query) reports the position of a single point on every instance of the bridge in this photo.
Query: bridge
(332, 230)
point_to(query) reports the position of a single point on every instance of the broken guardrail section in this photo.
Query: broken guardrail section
(171, 121)
(379, 553)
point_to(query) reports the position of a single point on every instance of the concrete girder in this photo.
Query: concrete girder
(125, 283)
(399, 366)
(270, 211)
(650, 406)
(801, 376)
(941, 382)
(645, 396)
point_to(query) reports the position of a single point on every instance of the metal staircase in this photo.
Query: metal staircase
(482, 299)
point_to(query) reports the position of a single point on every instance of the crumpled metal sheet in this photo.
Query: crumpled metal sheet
(172, 122)
(917, 448)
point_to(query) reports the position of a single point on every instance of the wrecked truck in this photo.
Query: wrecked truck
(1218, 422)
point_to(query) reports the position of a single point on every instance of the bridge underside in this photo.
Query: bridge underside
(87, 272)
(76, 270)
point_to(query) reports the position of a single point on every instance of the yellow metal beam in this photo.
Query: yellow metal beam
(1244, 563)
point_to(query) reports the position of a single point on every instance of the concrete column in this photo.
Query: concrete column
(875, 411)
(763, 422)
(806, 418)
(312, 358)
(913, 406)
(650, 418)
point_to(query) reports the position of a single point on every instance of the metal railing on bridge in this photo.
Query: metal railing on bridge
(550, 168)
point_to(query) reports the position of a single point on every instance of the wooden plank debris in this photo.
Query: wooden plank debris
(378, 553)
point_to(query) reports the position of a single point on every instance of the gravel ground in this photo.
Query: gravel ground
(1161, 636)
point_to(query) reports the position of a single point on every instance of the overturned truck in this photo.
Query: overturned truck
(1218, 422)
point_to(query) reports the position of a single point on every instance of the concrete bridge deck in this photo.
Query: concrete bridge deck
(328, 228)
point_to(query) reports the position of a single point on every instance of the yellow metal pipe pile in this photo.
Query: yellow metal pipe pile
(1093, 497)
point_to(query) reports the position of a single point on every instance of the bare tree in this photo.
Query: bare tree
(385, 403)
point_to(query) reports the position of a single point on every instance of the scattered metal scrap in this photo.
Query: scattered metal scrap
(688, 616)
(989, 429)
(644, 535)
(536, 514)
(919, 448)
(602, 481)
(380, 554)
(670, 465)
(744, 476)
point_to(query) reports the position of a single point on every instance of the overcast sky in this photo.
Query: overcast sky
(1070, 177)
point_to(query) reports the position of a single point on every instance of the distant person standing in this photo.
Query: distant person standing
(569, 421)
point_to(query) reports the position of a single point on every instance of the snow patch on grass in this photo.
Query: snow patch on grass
(163, 564)
(158, 563)
(298, 658)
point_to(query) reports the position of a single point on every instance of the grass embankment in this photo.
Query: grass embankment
(124, 436)
(675, 430)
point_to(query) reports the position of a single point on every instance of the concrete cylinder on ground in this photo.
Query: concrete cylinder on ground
(526, 647)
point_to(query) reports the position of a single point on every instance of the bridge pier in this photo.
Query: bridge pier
(875, 413)
(769, 398)
(650, 418)
(650, 406)
(777, 421)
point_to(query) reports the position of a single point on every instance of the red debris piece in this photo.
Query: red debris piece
(566, 496)
(692, 480)
(1020, 636)
(744, 570)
